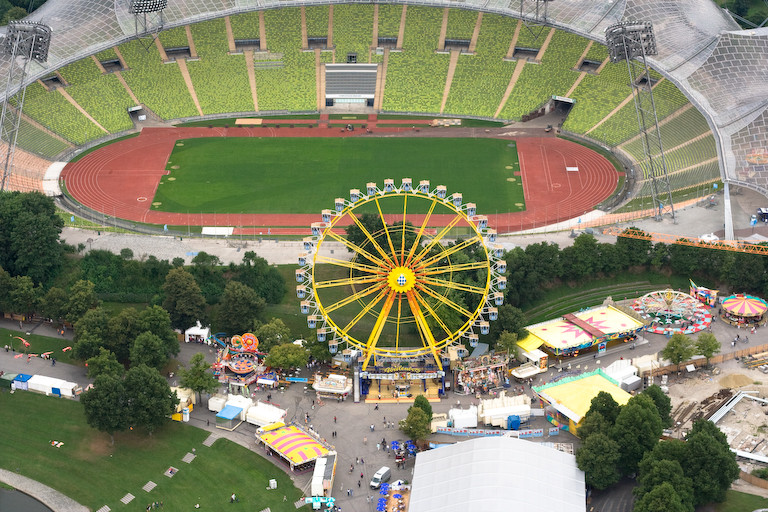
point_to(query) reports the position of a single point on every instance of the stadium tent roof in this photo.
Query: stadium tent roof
(496, 473)
(721, 68)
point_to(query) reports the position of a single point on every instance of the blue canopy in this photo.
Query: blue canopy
(22, 377)
(230, 412)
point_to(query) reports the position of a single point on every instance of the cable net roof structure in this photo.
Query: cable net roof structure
(721, 68)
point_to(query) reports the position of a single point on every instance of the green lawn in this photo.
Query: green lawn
(740, 502)
(37, 344)
(90, 471)
(304, 175)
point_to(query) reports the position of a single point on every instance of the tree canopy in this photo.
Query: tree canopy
(679, 348)
(422, 403)
(637, 430)
(184, 300)
(655, 472)
(606, 405)
(662, 402)
(598, 457)
(416, 425)
(150, 399)
(106, 405)
(271, 334)
(105, 363)
(197, 377)
(662, 498)
(707, 345)
(239, 307)
(286, 356)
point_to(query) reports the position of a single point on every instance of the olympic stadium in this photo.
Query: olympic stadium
(494, 60)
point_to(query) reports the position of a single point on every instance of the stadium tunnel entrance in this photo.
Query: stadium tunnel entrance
(350, 85)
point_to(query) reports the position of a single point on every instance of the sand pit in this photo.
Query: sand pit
(735, 380)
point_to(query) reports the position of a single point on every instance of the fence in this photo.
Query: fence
(698, 363)
(751, 479)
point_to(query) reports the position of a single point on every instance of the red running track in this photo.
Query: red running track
(120, 180)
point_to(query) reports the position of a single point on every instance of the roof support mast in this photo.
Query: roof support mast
(632, 41)
(148, 18)
(25, 41)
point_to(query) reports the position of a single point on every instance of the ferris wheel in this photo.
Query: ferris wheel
(402, 287)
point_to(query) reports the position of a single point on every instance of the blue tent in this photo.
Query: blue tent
(229, 417)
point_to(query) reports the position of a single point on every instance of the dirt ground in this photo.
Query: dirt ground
(746, 426)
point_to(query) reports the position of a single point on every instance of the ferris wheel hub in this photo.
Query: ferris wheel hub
(401, 279)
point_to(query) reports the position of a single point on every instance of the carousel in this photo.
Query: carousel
(237, 363)
(743, 310)
(671, 312)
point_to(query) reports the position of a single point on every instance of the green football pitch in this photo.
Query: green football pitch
(304, 175)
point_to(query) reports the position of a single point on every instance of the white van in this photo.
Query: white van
(382, 475)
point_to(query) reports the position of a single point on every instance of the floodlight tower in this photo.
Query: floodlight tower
(147, 15)
(25, 42)
(533, 13)
(632, 41)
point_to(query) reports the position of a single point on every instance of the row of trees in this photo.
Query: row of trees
(681, 348)
(540, 266)
(673, 476)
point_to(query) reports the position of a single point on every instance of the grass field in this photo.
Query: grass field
(87, 469)
(304, 175)
(37, 344)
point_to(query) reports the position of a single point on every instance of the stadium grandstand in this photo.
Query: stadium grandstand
(482, 60)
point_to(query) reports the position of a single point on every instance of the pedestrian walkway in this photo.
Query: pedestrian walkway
(51, 498)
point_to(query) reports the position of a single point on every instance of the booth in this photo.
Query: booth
(52, 386)
(21, 382)
(336, 387)
(481, 375)
(497, 411)
(197, 334)
(229, 418)
(323, 475)
(463, 418)
(295, 446)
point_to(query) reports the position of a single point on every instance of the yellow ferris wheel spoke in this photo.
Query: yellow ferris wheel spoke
(381, 320)
(371, 239)
(355, 296)
(351, 264)
(349, 281)
(421, 324)
(460, 267)
(365, 310)
(356, 248)
(399, 316)
(445, 300)
(434, 315)
(453, 285)
(437, 239)
(386, 229)
(421, 232)
(402, 240)
(451, 250)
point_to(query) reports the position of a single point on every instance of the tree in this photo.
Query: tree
(637, 430)
(416, 425)
(372, 225)
(662, 402)
(157, 321)
(597, 458)
(510, 319)
(655, 472)
(126, 253)
(205, 269)
(265, 279)
(29, 238)
(150, 399)
(54, 304)
(24, 295)
(105, 363)
(679, 348)
(707, 345)
(593, 423)
(82, 297)
(634, 251)
(106, 405)
(148, 350)
(271, 334)
(87, 346)
(662, 498)
(184, 300)
(13, 14)
(606, 405)
(709, 462)
(422, 403)
(123, 330)
(507, 343)
(239, 307)
(318, 350)
(197, 377)
(286, 356)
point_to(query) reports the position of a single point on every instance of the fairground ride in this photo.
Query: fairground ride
(410, 289)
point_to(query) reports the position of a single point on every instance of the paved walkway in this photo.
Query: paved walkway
(51, 498)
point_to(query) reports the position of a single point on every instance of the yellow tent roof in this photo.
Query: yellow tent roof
(573, 396)
(530, 342)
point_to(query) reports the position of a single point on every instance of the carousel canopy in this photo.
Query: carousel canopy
(745, 305)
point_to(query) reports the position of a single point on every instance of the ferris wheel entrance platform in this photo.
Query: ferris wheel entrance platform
(391, 395)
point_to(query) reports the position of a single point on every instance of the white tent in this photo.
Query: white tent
(242, 402)
(197, 334)
(53, 386)
(496, 473)
(464, 418)
(264, 414)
